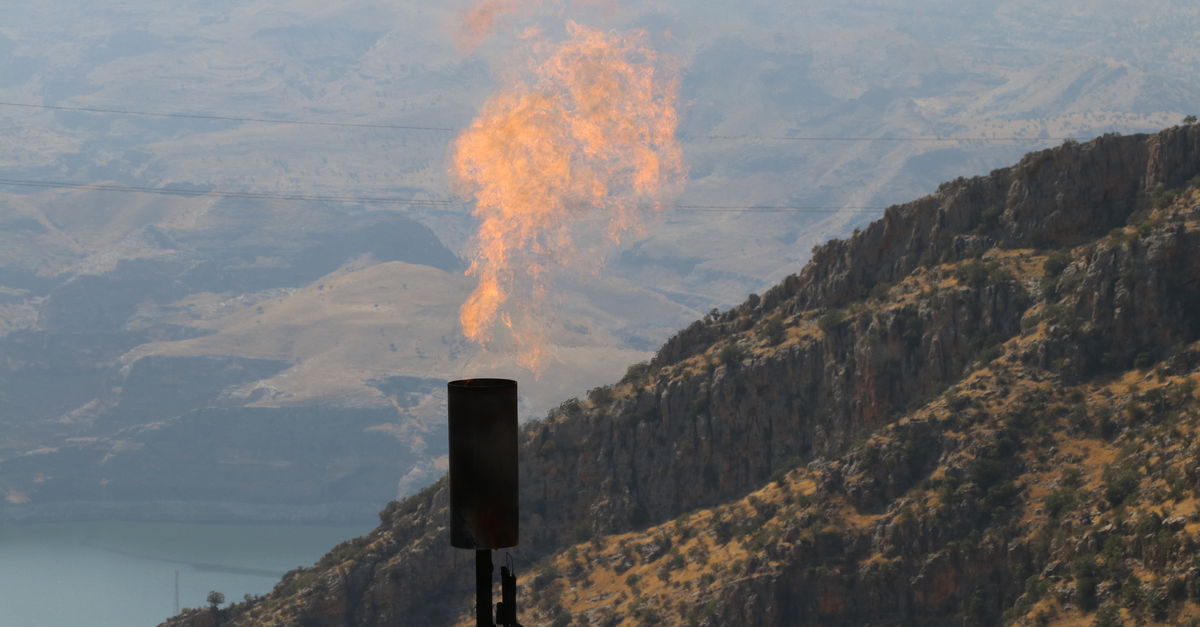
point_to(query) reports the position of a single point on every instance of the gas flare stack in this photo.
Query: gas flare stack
(484, 486)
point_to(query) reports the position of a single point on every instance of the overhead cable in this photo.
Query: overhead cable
(227, 118)
(444, 129)
(177, 191)
(390, 200)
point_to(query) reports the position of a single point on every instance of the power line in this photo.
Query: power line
(779, 209)
(444, 129)
(427, 202)
(912, 138)
(193, 192)
(226, 118)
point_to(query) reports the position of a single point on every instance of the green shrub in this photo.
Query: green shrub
(1084, 569)
(958, 402)
(772, 330)
(1177, 589)
(780, 473)
(722, 530)
(646, 615)
(991, 352)
(1108, 616)
(1060, 501)
(545, 574)
(975, 273)
(1072, 476)
(636, 372)
(830, 320)
(986, 472)
(730, 354)
(1056, 263)
(1160, 196)
(989, 218)
(1159, 604)
(569, 407)
(1121, 481)
(600, 395)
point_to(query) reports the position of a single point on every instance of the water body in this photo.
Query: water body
(115, 574)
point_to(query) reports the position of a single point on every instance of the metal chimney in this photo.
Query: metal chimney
(483, 484)
(483, 463)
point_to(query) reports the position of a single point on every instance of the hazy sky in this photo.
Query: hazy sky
(812, 115)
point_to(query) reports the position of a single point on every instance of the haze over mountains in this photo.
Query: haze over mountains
(153, 342)
(978, 410)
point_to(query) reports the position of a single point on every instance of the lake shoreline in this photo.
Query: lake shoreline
(126, 574)
(198, 512)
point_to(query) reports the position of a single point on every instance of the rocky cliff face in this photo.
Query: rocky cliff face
(874, 441)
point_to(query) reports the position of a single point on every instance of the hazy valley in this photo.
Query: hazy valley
(189, 357)
(978, 409)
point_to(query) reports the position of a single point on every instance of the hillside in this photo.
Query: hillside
(121, 394)
(128, 326)
(833, 108)
(977, 409)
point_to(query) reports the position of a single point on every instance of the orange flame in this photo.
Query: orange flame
(479, 20)
(590, 139)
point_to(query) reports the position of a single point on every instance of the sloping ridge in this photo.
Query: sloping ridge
(837, 396)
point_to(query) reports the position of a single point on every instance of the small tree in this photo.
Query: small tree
(215, 599)
(772, 331)
(1191, 119)
(830, 320)
(730, 354)
(1056, 263)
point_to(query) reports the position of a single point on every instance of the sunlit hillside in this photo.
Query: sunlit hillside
(979, 409)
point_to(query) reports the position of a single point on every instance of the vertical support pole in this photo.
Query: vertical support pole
(484, 506)
(483, 588)
(506, 610)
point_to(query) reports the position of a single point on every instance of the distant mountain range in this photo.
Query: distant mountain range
(130, 323)
(979, 409)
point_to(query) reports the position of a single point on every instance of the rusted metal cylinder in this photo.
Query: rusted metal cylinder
(483, 463)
